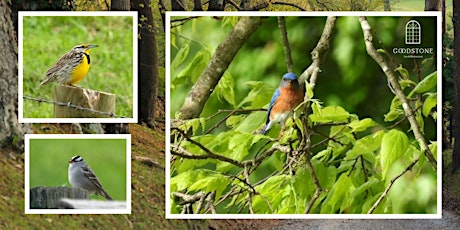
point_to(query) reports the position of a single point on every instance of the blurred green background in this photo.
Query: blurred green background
(107, 158)
(47, 38)
(348, 78)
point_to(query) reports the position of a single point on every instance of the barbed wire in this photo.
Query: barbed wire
(70, 105)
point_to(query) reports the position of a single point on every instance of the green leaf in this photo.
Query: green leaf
(339, 196)
(372, 182)
(404, 73)
(299, 124)
(429, 103)
(225, 89)
(195, 124)
(405, 83)
(395, 110)
(259, 95)
(184, 180)
(330, 114)
(237, 145)
(230, 20)
(278, 161)
(266, 189)
(212, 182)
(326, 174)
(366, 146)
(309, 90)
(303, 183)
(316, 107)
(361, 125)
(196, 66)
(252, 122)
(235, 120)
(393, 115)
(179, 59)
(433, 146)
(394, 145)
(428, 83)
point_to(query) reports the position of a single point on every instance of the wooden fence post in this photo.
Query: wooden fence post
(86, 98)
(47, 197)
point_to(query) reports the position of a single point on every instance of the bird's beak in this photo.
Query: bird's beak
(92, 46)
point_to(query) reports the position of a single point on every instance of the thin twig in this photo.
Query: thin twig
(318, 52)
(318, 187)
(232, 112)
(285, 43)
(384, 194)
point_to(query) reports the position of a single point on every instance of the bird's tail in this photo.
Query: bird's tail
(106, 195)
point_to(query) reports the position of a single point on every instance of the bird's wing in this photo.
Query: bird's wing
(90, 175)
(65, 60)
(275, 96)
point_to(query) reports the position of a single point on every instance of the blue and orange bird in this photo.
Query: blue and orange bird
(285, 99)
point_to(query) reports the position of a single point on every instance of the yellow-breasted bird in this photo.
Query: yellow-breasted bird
(71, 68)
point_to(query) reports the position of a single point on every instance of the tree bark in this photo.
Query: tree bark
(11, 132)
(456, 72)
(178, 5)
(216, 5)
(443, 7)
(225, 52)
(119, 5)
(148, 63)
(386, 5)
(197, 5)
(431, 5)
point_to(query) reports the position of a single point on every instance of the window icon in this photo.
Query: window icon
(413, 32)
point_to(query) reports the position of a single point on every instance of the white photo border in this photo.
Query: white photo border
(438, 214)
(21, 15)
(28, 210)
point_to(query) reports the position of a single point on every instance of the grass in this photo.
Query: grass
(47, 38)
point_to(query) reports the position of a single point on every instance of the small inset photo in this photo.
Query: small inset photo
(77, 174)
(77, 67)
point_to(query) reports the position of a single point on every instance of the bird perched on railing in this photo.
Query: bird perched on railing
(285, 99)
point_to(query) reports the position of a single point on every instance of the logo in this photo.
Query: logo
(413, 33)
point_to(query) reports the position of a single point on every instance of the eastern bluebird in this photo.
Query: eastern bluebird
(285, 99)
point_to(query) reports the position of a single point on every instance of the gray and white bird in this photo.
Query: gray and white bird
(81, 176)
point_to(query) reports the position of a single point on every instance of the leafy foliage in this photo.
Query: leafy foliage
(330, 159)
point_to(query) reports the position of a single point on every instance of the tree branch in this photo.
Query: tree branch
(208, 153)
(225, 52)
(285, 42)
(384, 194)
(409, 112)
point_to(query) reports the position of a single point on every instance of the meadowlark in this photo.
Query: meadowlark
(71, 68)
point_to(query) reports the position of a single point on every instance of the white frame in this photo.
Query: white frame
(21, 15)
(27, 208)
(438, 215)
